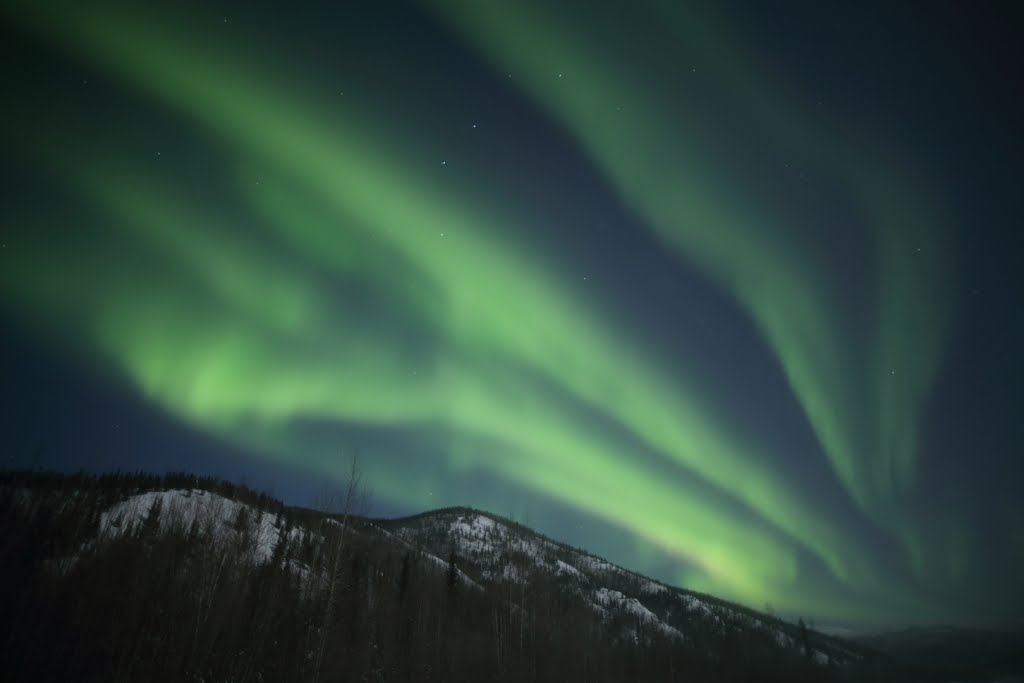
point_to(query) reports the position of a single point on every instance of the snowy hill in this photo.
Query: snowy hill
(220, 516)
(490, 553)
(500, 554)
(454, 590)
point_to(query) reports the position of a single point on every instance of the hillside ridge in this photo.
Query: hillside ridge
(456, 589)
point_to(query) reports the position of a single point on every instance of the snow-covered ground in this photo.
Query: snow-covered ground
(695, 604)
(605, 598)
(479, 539)
(215, 514)
(487, 549)
(565, 568)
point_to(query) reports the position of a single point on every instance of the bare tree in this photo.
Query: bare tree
(338, 506)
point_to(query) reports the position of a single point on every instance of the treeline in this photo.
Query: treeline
(118, 484)
(187, 598)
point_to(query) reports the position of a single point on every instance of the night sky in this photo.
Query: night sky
(729, 293)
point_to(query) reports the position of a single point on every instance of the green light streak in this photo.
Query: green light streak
(221, 366)
(254, 344)
(903, 215)
(652, 152)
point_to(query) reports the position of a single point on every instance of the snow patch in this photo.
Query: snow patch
(782, 639)
(595, 565)
(565, 568)
(510, 572)
(182, 509)
(695, 604)
(476, 535)
(606, 598)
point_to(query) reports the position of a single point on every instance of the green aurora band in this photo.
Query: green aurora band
(660, 168)
(224, 322)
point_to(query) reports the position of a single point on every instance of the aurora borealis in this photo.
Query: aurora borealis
(680, 293)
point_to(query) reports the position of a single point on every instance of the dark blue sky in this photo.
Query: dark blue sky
(728, 294)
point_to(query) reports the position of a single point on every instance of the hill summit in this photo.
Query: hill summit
(139, 577)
